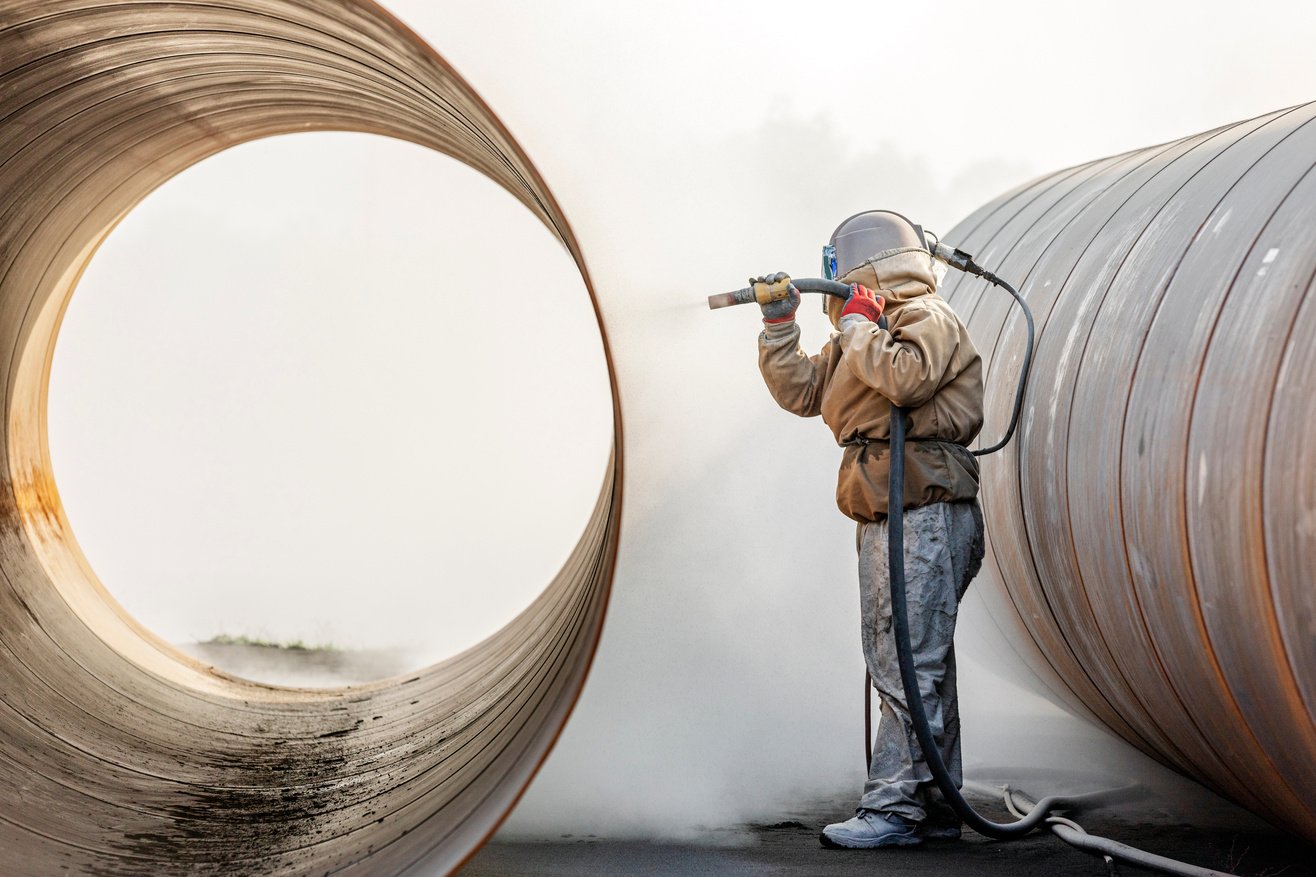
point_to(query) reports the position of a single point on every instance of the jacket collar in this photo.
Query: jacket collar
(898, 275)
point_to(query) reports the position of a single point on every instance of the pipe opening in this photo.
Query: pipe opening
(143, 758)
(328, 408)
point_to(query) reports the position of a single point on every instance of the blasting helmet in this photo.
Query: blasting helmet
(864, 235)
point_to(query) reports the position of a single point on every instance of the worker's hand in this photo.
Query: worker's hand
(782, 310)
(863, 304)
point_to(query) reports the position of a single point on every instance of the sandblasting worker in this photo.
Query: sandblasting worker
(926, 363)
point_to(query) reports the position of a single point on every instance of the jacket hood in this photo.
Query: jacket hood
(897, 275)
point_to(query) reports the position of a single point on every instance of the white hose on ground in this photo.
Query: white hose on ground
(1073, 834)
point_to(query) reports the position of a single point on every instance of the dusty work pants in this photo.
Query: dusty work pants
(943, 550)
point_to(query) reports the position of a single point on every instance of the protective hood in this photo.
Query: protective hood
(896, 275)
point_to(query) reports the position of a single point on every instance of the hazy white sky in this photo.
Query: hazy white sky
(691, 144)
(954, 86)
(302, 388)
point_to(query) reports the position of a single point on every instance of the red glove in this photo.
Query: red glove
(864, 303)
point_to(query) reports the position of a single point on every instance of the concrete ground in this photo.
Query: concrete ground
(790, 847)
(1056, 753)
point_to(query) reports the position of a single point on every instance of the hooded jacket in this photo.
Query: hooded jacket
(926, 363)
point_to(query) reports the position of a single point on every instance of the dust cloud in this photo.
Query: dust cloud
(729, 682)
(728, 687)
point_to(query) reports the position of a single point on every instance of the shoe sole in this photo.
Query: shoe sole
(890, 840)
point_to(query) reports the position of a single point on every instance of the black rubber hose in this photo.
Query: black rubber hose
(1023, 372)
(805, 284)
(1009, 434)
(827, 287)
(908, 676)
(900, 615)
(842, 290)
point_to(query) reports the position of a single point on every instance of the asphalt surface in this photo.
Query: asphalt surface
(790, 847)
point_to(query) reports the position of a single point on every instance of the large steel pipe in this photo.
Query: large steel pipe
(118, 754)
(1153, 528)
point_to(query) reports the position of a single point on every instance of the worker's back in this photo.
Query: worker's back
(925, 363)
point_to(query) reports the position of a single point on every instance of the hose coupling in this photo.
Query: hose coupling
(957, 258)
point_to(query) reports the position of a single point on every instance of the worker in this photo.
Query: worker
(924, 362)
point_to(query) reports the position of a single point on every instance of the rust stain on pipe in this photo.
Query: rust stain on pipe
(119, 754)
(1151, 543)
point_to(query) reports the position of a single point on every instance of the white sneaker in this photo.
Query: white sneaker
(870, 829)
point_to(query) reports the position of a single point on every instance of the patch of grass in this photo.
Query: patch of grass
(296, 645)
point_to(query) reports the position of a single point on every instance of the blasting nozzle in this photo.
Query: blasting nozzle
(727, 299)
(957, 258)
(764, 290)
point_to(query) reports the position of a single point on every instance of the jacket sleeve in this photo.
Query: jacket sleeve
(908, 364)
(794, 379)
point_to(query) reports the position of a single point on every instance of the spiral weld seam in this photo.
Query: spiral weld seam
(1145, 548)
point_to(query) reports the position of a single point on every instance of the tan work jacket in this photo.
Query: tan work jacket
(925, 363)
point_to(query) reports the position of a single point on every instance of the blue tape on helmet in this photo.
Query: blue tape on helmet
(829, 262)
